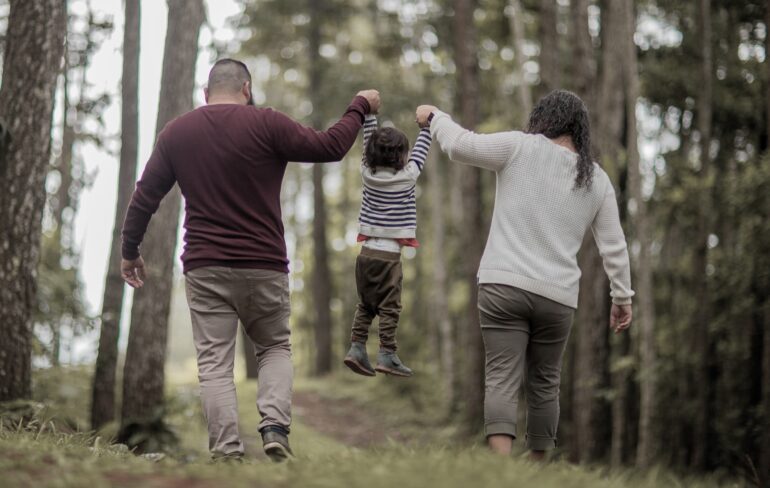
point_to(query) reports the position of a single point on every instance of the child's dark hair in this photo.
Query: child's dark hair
(388, 147)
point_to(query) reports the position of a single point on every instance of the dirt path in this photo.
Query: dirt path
(343, 420)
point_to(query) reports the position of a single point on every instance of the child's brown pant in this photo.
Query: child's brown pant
(378, 281)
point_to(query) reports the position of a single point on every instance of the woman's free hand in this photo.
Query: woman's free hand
(620, 317)
(423, 113)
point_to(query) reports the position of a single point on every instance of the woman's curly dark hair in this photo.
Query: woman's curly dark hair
(388, 147)
(563, 113)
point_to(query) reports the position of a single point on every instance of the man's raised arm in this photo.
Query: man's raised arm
(296, 142)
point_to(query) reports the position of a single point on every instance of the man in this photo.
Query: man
(229, 160)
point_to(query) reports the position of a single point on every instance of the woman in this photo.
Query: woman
(549, 193)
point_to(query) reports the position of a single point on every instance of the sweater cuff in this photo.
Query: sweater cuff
(621, 301)
(435, 121)
(361, 106)
(129, 252)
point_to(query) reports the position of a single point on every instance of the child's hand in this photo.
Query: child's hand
(373, 97)
(422, 114)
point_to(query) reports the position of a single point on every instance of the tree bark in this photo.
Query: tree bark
(767, 67)
(103, 396)
(591, 354)
(700, 326)
(764, 464)
(143, 375)
(645, 318)
(440, 303)
(765, 447)
(321, 275)
(549, 47)
(464, 33)
(31, 62)
(584, 62)
(64, 165)
(523, 90)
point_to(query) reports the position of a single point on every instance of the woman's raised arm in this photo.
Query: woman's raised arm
(488, 151)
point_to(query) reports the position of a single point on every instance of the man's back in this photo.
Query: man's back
(229, 161)
(230, 175)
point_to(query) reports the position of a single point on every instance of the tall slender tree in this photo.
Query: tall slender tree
(31, 62)
(765, 447)
(321, 275)
(464, 32)
(583, 378)
(143, 375)
(523, 90)
(645, 449)
(549, 46)
(103, 399)
(439, 301)
(591, 371)
(701, 335)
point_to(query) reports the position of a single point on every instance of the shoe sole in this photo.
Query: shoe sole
(276, 452)
(391, 372)
(358, 368)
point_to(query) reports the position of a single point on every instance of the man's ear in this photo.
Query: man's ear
(246, 92)
(206, 94)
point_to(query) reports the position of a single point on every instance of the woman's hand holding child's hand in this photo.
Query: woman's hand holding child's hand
(422, 114)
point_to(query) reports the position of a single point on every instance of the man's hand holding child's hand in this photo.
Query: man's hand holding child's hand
(373, 97)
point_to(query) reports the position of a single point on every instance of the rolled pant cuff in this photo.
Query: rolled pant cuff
(538, 443)
(266, 424)
(500, 428)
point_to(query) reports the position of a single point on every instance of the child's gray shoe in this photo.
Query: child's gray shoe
(389, 363)
(357, 359)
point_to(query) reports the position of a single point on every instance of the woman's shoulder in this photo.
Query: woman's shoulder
(601, 180)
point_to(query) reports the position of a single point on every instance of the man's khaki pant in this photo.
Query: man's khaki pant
(524, 337)
(218, 298)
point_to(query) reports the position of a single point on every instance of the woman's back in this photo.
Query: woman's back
(540, 217)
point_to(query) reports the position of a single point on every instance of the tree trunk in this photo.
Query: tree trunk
(31, 62)
(464, 34)
(700, 326)
(64, 165)
(549, 47)
(765, 446)
(523, 90)
(764, 464)
(767, 67)
(584, 62)
(440, 303)
(143, 374)
(321, 275)
(645, 318)
(103, 399)
(591, 354)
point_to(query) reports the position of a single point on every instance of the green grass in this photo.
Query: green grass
(71, 460)
(40, 454)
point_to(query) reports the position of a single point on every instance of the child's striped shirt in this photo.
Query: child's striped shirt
(388, 207)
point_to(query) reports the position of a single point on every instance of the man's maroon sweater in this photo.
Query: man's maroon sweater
(229, 161)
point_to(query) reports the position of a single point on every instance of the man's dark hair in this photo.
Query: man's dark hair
(387, 148)
(228, 76)
(563, 113)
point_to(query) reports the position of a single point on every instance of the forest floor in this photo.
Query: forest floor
(340, 436)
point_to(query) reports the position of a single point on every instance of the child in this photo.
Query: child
(388, 221)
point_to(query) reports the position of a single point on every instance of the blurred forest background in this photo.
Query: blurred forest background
(680, 101)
